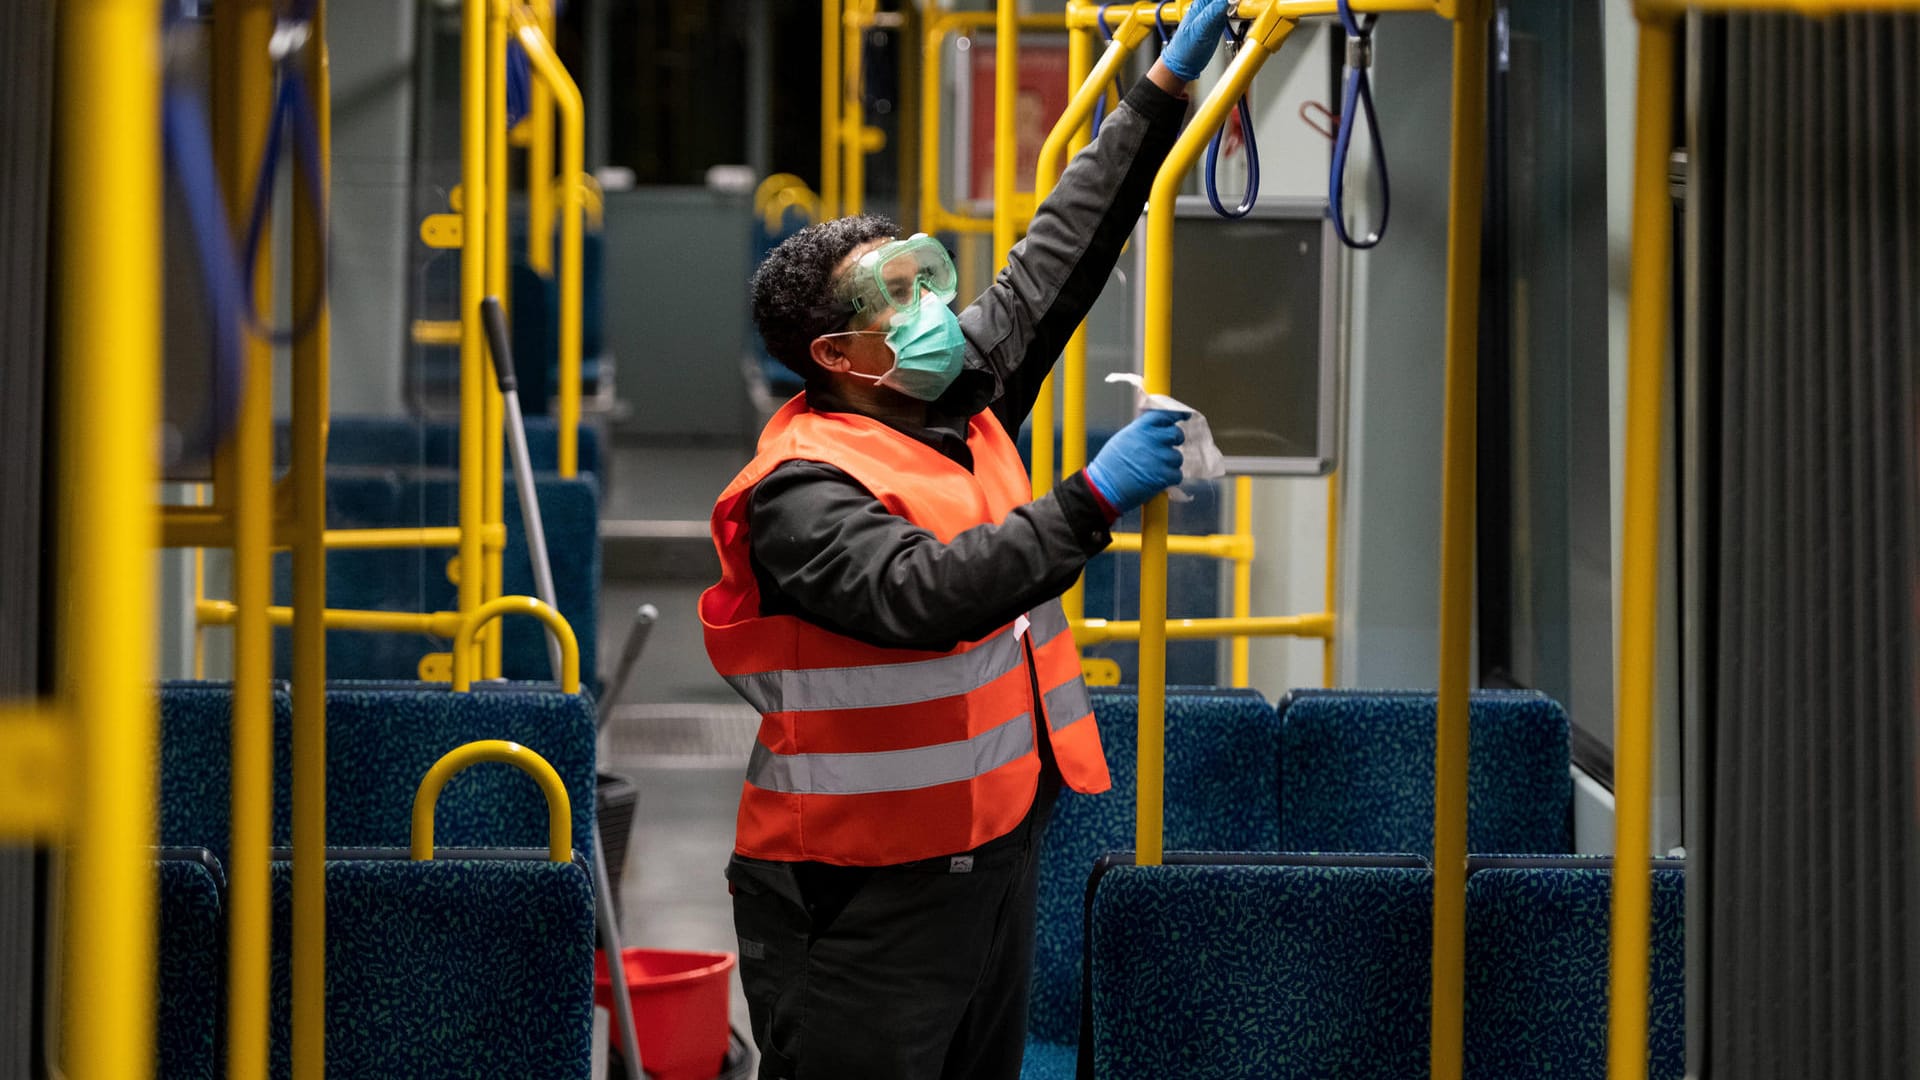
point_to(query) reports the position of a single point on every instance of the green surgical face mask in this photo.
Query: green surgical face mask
(928, 352)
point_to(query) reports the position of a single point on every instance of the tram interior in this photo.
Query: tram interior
(1568, 406)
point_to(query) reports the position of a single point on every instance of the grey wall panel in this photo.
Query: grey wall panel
(1808, 883)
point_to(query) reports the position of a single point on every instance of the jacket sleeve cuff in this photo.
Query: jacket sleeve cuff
(1159, 107)
(1087, 512)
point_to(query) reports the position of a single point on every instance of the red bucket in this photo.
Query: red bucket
(679, 1009)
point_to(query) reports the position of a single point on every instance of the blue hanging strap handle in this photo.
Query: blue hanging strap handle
(1235, 39)
(189, 156)
(1359, 96)
(292, 113)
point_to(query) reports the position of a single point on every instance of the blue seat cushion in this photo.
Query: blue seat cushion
(1537, 956)
(1357, 772)
(1044, 1060)
(447, 969)
(1211, 972)
(1220, 793)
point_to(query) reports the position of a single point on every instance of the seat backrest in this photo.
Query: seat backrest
(1537, 954)
(1356, 772)
(191, 949)
(415, 580)
(1262, 972)
(403, 442)
(1221, 773)
(381, 740)
(448, 968)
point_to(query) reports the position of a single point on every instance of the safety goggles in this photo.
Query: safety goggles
(896, 275)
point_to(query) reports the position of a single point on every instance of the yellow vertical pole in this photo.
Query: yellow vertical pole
(853, 119)
(1639, 553)
(244, 90)
(1327, 661)
(573, 155)
(830, 35)
(310, 404)
(199, 594)
(1073, 364)
(932, 40)
(540, 158)
(1269, 30)
(1006, 223)
(109, 407)
(493, 461)
(1467, 164)
(1243, 576)
(473, 284)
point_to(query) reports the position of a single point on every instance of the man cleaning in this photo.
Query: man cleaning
(889, 604)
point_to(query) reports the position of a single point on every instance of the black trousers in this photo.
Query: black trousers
(911, 972)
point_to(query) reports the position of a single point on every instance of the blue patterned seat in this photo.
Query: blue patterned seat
(381, 740)
(416, 579)
(192, 952)
(447, 969)
(1221, 774)
(1356, 772)
(1261, 972)
(1537, 940)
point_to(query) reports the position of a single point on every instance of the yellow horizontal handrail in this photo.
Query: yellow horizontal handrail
(559, 807)
(515, 605)
(1217, 546)
(1081, 15)
(437, 623)
(1314, 625)
(207, 527)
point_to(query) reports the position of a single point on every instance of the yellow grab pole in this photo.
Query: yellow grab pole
(1639, 554)
(243, 85)
(1006, 222)
(540, 156)
(493, 462)
(830, 36)
(310, 399)
(436, 623)
(559, 806)
(1318, 624)
(109, 244)
(1243, 577)
(1266, 36)
(1069, 134)
(473, 284)
(1467, 163)
(932, 40)
(550, 73)
(853, 117)
(1333, 565)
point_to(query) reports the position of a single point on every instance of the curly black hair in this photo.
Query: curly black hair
(793, 289)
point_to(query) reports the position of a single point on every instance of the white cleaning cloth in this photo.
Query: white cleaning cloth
(1199, 458)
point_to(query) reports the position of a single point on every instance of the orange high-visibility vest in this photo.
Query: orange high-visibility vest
(869, 756)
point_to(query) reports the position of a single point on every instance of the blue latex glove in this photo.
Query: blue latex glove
(1199, 35)
(1140, 461)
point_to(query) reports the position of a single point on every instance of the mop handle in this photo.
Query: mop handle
(496, 322)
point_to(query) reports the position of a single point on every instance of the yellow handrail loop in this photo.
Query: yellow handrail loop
(559, 807)
(471, 623)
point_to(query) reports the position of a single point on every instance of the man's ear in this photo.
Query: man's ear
(828, 354)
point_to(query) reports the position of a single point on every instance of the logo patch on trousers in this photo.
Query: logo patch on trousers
(960, 864)
(753, 950)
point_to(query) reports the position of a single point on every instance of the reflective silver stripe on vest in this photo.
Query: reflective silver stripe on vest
(1067, 702)
(878, 685)
(1049, 622)
(891, 770)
